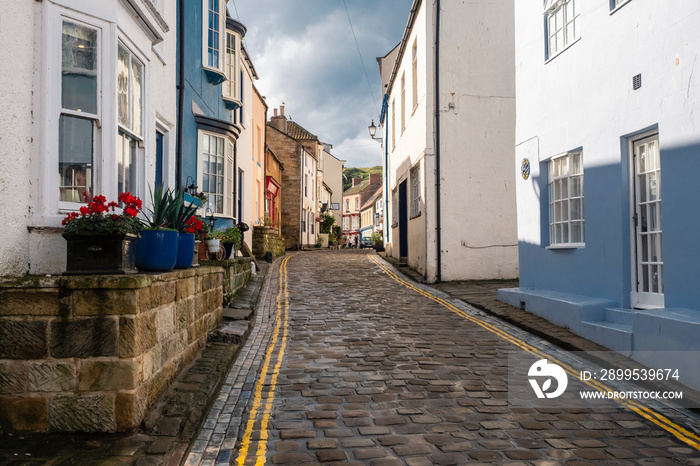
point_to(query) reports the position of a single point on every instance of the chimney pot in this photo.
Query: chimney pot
(375, 178)
(282, 110)
(275, 110)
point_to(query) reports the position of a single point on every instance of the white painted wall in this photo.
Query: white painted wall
(244, 154)
(17, 30)
(30, 135)
(477, 118)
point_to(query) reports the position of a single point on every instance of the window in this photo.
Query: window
(414, 76)
(403, 102)
(347, 205)
(77, 126)
(617, 3)
(229, 87)
(130, 117)
(306, 185)
(357, 203)
(214, 20)
(562, 25)
(393, 124)
(415, 191)
(566, 225)
(346, 223)
(216, 165)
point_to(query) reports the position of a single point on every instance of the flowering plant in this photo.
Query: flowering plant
(201, 196)
(194, 225)
(100, 216)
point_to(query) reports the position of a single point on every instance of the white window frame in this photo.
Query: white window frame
(414, 73)
(561, 17)
(414, 176)
(230, 88)
(227, 174)
(221, 46)
(564, 174)
(94, 118)
(130, 132)
(617, 4)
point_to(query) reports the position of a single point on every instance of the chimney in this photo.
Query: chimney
(375, 178)
(356, 181)
(279, 121)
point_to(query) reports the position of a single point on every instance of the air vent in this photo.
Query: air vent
(637, 82)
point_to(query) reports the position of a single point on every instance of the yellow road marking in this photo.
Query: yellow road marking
(660, 420)
(257, 400)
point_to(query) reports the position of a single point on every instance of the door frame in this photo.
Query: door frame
(403, 218)
(641, 300)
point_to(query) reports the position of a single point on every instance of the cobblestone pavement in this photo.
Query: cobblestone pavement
(362, 367)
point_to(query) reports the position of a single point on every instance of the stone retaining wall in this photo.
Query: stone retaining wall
(91, 354)
(236, 275)
(267, 242)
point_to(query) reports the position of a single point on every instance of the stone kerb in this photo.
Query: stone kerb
(91, 354)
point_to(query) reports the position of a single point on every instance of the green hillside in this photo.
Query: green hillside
(350, 173)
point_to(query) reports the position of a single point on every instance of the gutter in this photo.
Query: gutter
(437, 142)
(180, 98)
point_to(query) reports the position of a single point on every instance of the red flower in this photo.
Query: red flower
(130, 211)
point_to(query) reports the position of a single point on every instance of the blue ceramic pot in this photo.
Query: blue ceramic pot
(156, 250)
(185, 251)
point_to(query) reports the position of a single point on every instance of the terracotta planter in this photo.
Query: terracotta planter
(97, 253)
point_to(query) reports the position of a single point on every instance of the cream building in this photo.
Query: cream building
(89, 101)
(450, 141)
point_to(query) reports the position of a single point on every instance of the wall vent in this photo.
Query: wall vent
(637, 81)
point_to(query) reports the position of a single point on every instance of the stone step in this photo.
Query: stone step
(237, 314)
(619, 316)
(615, 336)
(234, 331)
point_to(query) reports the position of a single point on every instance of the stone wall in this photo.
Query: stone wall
(266, 239)
(91, 354)
(236, 275)
(289, 152)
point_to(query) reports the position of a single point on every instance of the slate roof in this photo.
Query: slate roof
(297, 132)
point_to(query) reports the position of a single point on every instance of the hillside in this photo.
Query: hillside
(353, 172)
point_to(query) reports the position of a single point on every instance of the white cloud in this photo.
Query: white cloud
(306, 56)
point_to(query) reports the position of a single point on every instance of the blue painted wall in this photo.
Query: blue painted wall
(602, 266)
(198, 89)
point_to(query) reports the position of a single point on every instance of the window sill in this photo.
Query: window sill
(231, 103)
(567, 246)
(416, 215)
(395, 225)
(562, 51)
(214, 76)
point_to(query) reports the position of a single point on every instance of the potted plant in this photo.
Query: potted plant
(199, 227)
(182, 214)
(100, 240)
(231, 239)
(156, 250)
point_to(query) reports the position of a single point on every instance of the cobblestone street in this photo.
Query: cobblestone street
(361, 366)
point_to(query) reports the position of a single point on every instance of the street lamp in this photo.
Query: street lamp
(373, 130)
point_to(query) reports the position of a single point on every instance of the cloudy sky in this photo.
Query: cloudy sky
(305, 55)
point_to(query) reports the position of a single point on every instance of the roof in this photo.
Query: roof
(370, 202)
(357, 188)
(297, 132)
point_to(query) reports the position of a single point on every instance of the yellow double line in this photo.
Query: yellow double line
(280, 333)
(679, 432)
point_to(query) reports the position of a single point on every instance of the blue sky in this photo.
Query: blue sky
(305, 55)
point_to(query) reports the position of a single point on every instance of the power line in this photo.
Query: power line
(371, 92)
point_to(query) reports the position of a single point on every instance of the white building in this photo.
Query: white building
(330, 174)
(450, 141)
(82, 85)
(607, 155)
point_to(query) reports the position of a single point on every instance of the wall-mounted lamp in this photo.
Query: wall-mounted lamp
(373, 131)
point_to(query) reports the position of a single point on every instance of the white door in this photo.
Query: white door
(648, 282)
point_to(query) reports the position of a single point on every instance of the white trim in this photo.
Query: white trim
(222, 37)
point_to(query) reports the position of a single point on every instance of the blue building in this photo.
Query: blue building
(210, 107)
(608, 158)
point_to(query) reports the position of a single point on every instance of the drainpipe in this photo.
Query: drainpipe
(437, 141)
(301, 196)
(180, 98)
(387, 223)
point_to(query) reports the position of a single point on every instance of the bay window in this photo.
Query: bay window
(130, 118)
(216, 173)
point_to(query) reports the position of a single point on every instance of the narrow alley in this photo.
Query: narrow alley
(351, 362)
